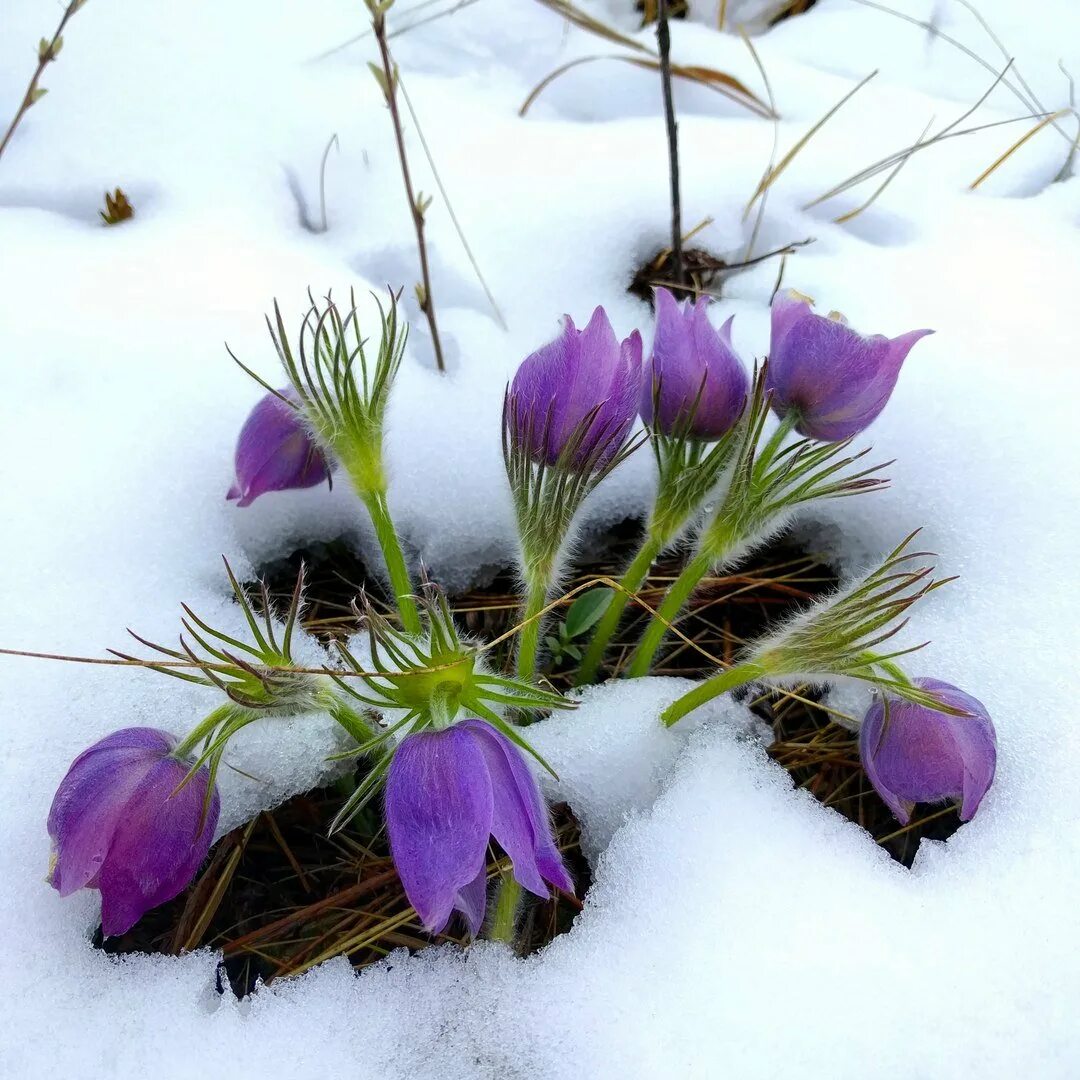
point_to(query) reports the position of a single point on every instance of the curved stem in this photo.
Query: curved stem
(213, 720)
(529, 639)
(631, 581)
(719, 684)
(673, 603)
(377, 507)
(504, 914)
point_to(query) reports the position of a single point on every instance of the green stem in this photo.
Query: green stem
(504, 913)
(672, 604)
(606, 627)
(719, 684)
(529, 638)
(201, 731)
(377, 507)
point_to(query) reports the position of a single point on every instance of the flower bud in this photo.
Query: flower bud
(694, 381)
(574, 401)
(834, 379)
(119, 825)
(912, 754)
(447, 794)
(275, 452)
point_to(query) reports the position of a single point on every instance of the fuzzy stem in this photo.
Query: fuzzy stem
(201, 731)
(529, 638)
(719, 684)
(663, 41)
(673, 603)
(631, 582)
(505, 909)
(378, 23)
(377, 507)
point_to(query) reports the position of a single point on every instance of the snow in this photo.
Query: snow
(735, 925)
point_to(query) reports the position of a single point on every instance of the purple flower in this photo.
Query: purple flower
(119, 825)
(448, 793)
(576, 399)
(694, 377)
(916, 754)
(834, 379)
(275, 451)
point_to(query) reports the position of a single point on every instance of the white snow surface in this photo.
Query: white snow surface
(736, 926)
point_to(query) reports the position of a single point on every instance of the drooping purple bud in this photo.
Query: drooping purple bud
(275, 452)
(834, 379)
(574, 400)
(913, 754)
(119, 825)
(694, 378)
(448, 793)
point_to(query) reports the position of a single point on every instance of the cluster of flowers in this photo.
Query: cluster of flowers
(136, 813)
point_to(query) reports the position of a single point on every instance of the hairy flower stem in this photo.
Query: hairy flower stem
(704, 692)
(505, 910)
(213, 719)
(673, 602)
(375, 501)
(529, 640)
(631, 581)
(389, 85)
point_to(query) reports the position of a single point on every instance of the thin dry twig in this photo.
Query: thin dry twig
(671, 127)
(47, 53)
(388, 81)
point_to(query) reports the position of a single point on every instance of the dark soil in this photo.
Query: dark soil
(278, 896)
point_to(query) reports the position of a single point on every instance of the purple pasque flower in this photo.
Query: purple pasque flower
(448, 793)
(119, 825)
(574, 400)
(694, 380)
(913, 754)
(275, 452)
(833, 378)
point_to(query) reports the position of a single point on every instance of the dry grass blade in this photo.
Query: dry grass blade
(718, 81)
(879, 190)
(1016, 146)
(770, 177)
(593, 25)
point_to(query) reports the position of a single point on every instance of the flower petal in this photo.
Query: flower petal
(92, 799)
(438, 817)
(520, 820)
(472, 902)
(158, 845)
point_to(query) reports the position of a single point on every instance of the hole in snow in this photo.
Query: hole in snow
(278, 896)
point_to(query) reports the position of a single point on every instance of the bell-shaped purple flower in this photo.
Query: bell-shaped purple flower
(275, 452)
(448, 793)
(914, 754)
(694, 380)
(574, 401)
(833, 378)
(119, 825)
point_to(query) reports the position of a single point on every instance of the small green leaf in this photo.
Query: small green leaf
(43, 50)
(37, 94)
(554, 645)
(573, 651)
(585, 612)
(380, 78)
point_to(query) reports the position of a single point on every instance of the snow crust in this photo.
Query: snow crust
(736, 926)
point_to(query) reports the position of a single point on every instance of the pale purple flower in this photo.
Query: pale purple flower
(834, 379)
(448, 793)
(574, 400)
(275, 452)
(694, 378)
(119, 825)
(914, 754)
